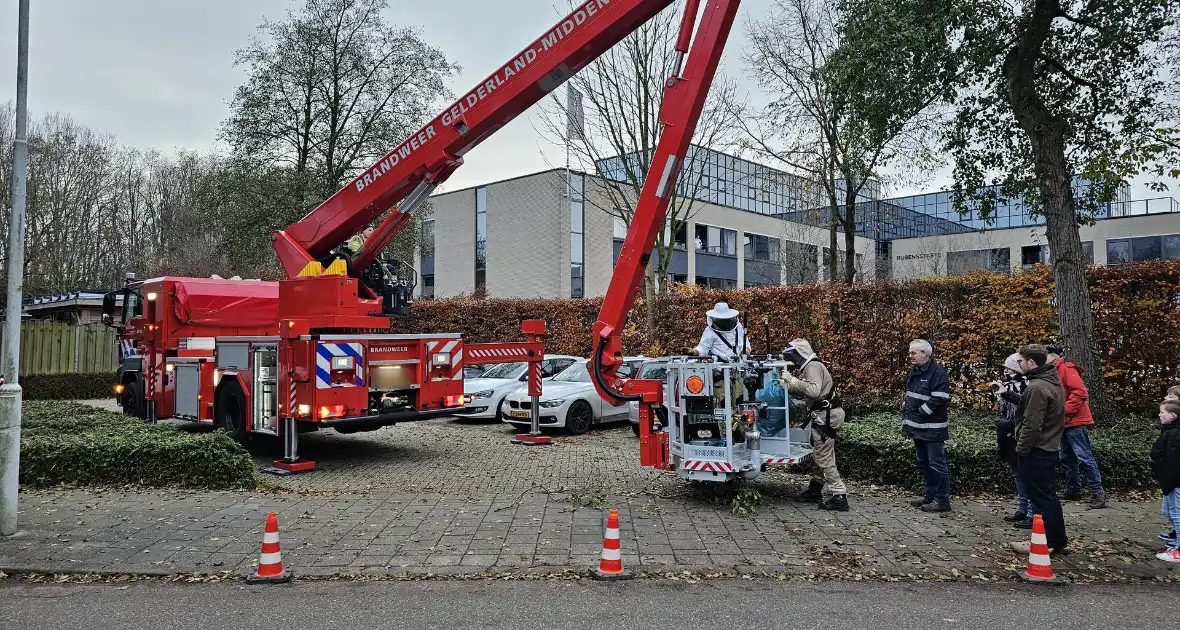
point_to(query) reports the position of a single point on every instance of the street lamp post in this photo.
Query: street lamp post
(10, 391)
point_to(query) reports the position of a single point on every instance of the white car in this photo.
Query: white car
(484, 394)
(567, 401)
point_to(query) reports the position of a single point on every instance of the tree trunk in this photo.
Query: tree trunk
(833, 252)
(1072, 291)
(1047, 132)
(649, 306)
(849, 237)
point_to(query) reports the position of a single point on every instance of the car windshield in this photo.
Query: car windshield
(575, 373)
(654, 371)
(505, 370)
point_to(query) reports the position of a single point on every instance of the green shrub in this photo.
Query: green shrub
(67, 386)
(872, 449)
(77, 445)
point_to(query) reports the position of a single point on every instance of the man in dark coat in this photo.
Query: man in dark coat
(924, 420)
(1038, 443)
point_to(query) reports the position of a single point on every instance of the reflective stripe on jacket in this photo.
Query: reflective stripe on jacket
(927, 396)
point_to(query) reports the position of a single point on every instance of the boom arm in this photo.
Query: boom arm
(407, 174)
(684, 99)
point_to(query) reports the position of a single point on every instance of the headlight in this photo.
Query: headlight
(485, 393)
(441, 358)
(549, 404)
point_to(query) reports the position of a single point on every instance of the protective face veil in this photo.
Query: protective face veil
(722, 318)
(723, 325)
(793, 355)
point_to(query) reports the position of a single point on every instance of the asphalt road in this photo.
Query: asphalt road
(728, 604)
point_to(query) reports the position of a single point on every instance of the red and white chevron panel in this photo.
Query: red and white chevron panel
(706, 466)
(767, 459)
(508, 354)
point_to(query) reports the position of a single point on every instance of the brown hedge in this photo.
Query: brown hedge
(863, 331)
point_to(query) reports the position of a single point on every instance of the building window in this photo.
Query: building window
(964, 262)
(428, 286)
(728, 242)
(1146, 248)
(716, 283)
(1118, 251)
(620, 228)
(680, 241)
(715, 240)
(761, 248)
(1165, 247)
(1171, 247)
(1088, 252)
(802, 263)
(577, 236)
(1033, 255)
(481, 237)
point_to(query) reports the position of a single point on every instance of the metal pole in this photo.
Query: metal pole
(535, 429)
(10, 391)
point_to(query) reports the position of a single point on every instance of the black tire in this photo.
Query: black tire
(635, 428)
(580, 418)
(231, 412)
(133, 403)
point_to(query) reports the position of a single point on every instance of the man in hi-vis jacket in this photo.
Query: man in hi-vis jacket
(924, 419)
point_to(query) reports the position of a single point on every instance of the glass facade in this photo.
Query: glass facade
(577, 236)
(1006, 214)
(726, 180)
(481, 237)
(730, 181)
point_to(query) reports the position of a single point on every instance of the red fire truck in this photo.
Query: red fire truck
(315, 349)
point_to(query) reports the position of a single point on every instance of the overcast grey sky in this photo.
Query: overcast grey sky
(159, 73)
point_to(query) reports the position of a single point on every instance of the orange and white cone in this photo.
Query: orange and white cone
(1040, 569)
(270, 562)
(610, 567)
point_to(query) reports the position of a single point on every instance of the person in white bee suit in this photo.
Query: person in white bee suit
(724, 339)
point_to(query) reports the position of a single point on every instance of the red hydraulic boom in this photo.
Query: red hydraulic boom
(407, 174)
(405, 177)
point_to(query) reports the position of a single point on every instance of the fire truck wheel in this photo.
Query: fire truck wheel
(132, 401)
(231, 411)
(579, 418)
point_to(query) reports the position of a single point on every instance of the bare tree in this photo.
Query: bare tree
(621, 95)
(331, 89)
(808, 125)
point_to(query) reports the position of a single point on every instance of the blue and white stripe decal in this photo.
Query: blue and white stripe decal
(323, 363)
(127, 349)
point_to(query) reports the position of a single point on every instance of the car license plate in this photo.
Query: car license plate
(520, 413)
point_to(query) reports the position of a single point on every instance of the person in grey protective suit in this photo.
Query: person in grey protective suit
(815, 385)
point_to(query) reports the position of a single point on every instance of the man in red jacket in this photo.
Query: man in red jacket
(1076, 451)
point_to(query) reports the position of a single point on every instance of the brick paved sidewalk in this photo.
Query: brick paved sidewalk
(394, 533)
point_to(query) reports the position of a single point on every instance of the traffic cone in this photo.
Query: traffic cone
(270, 562)
(610, 567)
(1040, 569)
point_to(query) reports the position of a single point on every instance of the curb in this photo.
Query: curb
(678, 573)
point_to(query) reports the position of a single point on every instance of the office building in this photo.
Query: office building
(557, 233)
